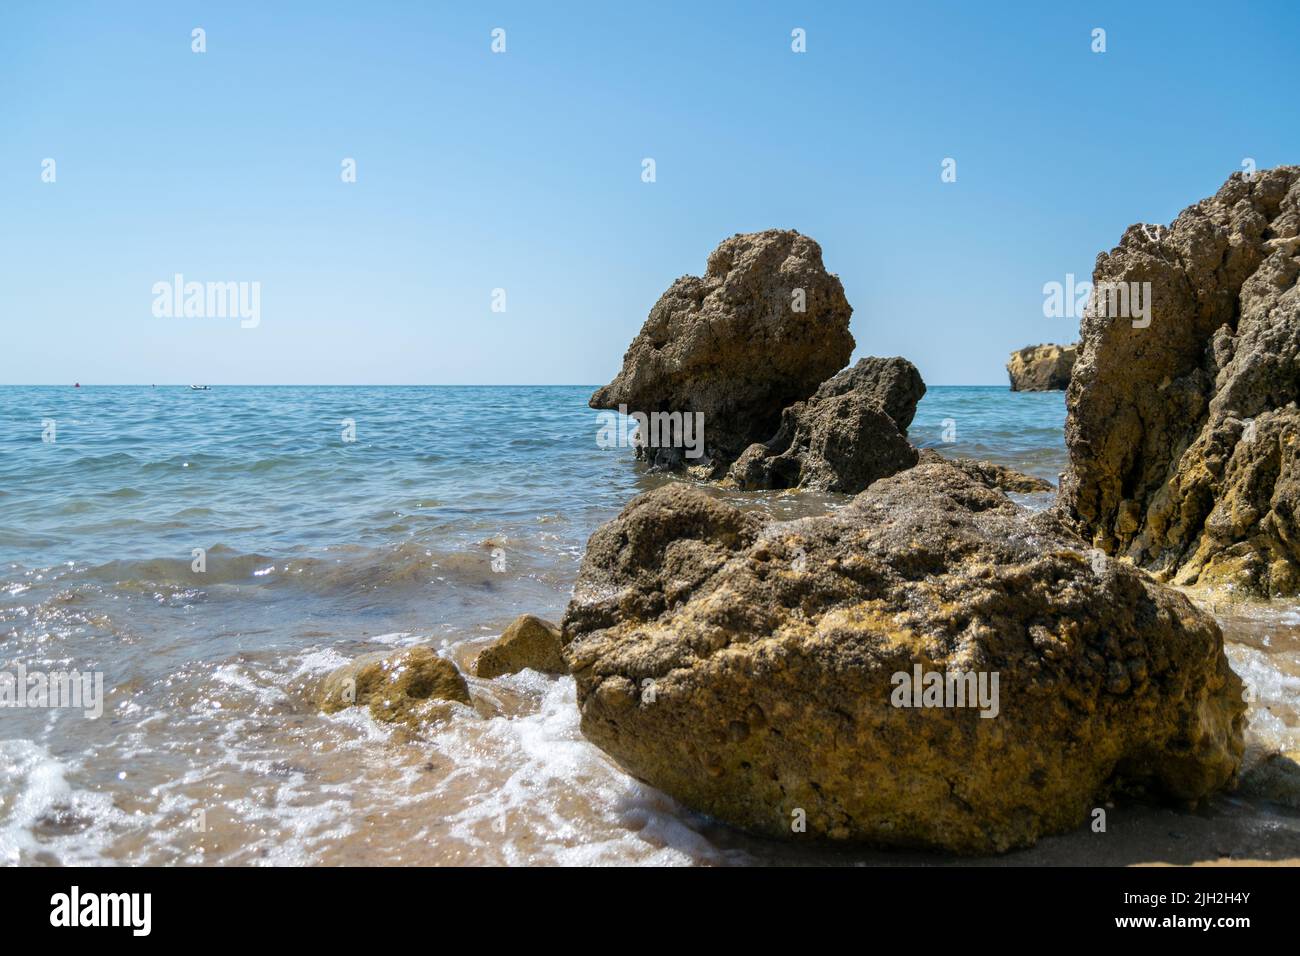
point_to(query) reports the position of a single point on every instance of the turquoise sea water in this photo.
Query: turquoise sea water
(452, 511)
(140, 473)
(1022, 430)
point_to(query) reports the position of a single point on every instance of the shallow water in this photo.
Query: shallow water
(453, 510)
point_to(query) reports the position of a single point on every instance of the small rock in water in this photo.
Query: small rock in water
(751, 356)
(412, 686)
(529, 642)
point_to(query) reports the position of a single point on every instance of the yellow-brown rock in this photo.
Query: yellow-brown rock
(761, 329)
(748, 667)
(1183, 426)
(1041, 368)
(411, 686)
(993, 475)
(529, 642)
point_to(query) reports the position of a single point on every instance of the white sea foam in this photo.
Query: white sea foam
(42, 816)
(318, 662)
(1273, 694)
(397, 639)
(258, 686)
(561, 800)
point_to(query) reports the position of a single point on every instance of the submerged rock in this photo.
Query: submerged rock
(749, 667)
(851, 432)
(1183, 430)
(763, 327)
(411, 686)
(529, 642)
(1041, 368)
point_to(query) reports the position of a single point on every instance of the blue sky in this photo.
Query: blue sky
(522, 171)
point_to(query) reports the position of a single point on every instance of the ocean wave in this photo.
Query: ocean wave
(487, 564)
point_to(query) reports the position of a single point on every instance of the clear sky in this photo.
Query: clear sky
(522, 171)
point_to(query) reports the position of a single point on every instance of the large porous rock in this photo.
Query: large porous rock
(763, 327)
(750, 668)
(1183, 429)
(851, 432)
(412, 686)
(1041, 368)
(528, 643)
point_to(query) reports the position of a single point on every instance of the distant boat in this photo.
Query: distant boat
(201, 388)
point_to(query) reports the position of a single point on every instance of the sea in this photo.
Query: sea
(212, 555)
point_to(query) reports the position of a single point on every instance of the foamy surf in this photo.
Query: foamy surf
(559, 800)
(43, 818)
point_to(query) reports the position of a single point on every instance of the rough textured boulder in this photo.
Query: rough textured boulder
(732, 344)
(746, 666)
(411, 686)
(992, 475)
(1183, 434)
(851, 432)
(894, 384)
(529, 642)
(1041, 368)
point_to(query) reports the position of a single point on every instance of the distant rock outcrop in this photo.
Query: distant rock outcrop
(763, 327)
(1183, 428)
(1042, 368)
(781, 676)
(851, 432)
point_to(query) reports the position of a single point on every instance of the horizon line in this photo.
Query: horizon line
(214, 385)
